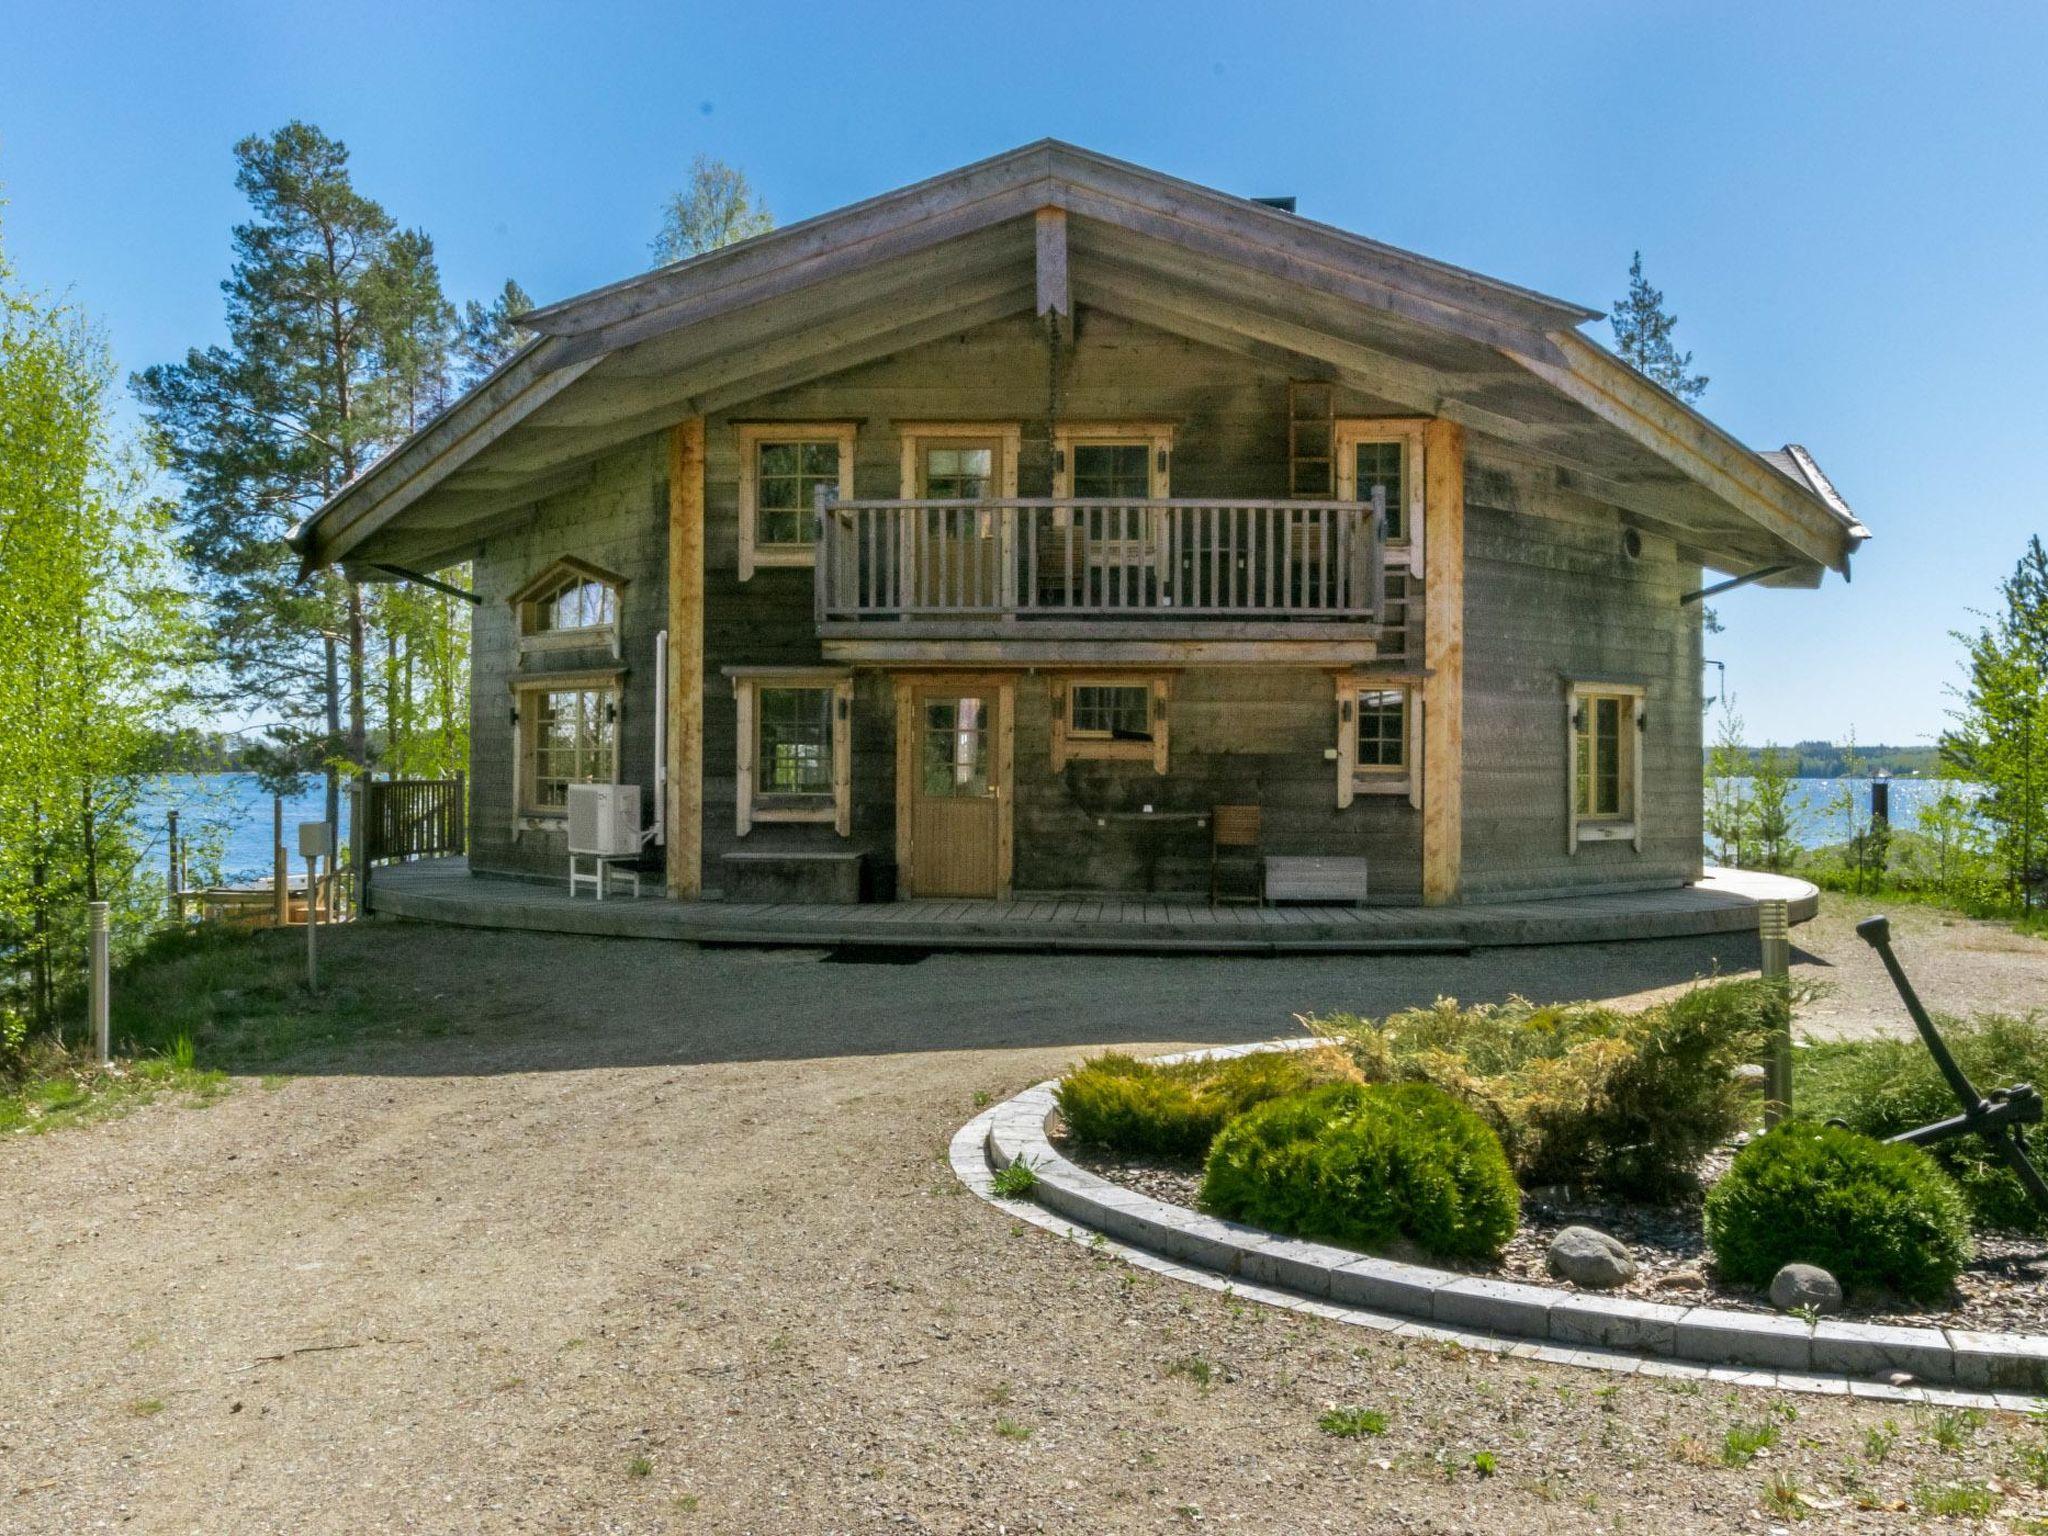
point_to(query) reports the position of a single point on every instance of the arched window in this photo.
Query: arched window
(571, 603)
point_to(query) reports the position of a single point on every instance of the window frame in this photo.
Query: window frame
(1070, 745)
(1006, 437)
(1355, 778)
(1626, 824)
(1352, 431)
(755, 553)
(548, 581)
(527, 810)
(751, 805)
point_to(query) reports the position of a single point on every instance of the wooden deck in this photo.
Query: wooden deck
(444, 891)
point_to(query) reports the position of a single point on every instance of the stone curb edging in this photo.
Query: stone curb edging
(1575, 1320)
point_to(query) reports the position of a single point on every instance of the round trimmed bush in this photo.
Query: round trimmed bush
(1364, 1165)
(1874, 1215)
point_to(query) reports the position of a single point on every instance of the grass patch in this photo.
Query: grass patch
(1783, 1497)
(196, 1005)
(1192, 1368)
(1880, 1440)
(1010, 1429)
(1353, 1423)
(1968, 1501)
(639, 1466)
(1015, 1182)
(146, 1407)
(1739, 1447)
(1954, 1428)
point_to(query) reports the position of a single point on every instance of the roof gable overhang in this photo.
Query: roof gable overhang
(969, 247)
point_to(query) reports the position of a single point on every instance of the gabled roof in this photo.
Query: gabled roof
(959, 250)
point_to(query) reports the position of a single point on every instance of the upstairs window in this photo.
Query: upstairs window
(570, 603)
(1387, 454)
(958, 471)
(782, 469)
(959, 460)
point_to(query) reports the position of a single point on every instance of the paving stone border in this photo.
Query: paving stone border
(1948, 1365)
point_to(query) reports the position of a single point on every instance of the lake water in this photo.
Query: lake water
(1816, 826)
(233, 810)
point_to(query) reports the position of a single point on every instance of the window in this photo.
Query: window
(1111, 471)
(958, 471)
(959, 461)
(782, 468)
(953, 755)
(570, 603)
(1387, 454)
(1606, 723)
(1382, 731)
(1378, 738)
(1110, 718)
(795, 746)
(568, 734)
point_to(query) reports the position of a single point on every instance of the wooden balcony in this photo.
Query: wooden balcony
(1061, 579)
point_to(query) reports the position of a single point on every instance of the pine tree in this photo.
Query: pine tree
(1730, 815)
(1772, 829)
(1642, 337)
(716, 208)
(491, 333)
(337, 345)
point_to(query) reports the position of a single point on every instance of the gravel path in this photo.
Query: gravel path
(664, 1240)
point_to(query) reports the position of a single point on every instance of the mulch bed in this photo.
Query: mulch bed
(2004, 1290)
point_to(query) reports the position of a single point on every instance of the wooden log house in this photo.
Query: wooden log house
(983, 538)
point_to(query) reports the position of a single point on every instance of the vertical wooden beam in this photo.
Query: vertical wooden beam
(685, 818)
(1054, 294)
(1443, 646)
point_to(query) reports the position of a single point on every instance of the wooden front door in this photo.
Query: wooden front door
(955, 767)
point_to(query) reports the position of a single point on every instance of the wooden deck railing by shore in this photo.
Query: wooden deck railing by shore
(413, 819)
(1023, 558)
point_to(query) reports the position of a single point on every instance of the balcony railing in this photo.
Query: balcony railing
(1021, 559)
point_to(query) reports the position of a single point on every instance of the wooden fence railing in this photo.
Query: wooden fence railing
(1166, 559)
(413, 819)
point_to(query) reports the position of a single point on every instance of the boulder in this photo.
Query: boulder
(1805, 1285)
(1752, 1077)
(1590, 1258)
(1680, 1279)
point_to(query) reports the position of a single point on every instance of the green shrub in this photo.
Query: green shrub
(1882, 1087)
(1871, 1214)
(1176, 1110)
(1581, 1094)
(1364, 1165)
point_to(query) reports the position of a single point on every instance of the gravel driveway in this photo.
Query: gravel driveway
(664, 1240)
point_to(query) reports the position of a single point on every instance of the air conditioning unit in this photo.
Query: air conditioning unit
(604, 819)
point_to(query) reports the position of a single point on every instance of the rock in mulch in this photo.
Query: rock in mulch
(1590, 1258)
(1805, 1285)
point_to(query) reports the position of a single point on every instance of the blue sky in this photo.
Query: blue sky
(1844, 204)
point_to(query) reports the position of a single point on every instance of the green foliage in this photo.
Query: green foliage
(1730, 814)
(717, 207)
(1352, 1423)
(1176, 1109)
(1968, 1501)
(2000, 738)
(1883, 1087)
(340, 342)
(1015, 1181)
(1870, 1214)
(1366, 1165)
(1642, 337)
(1584, 1094)
(93, 653)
